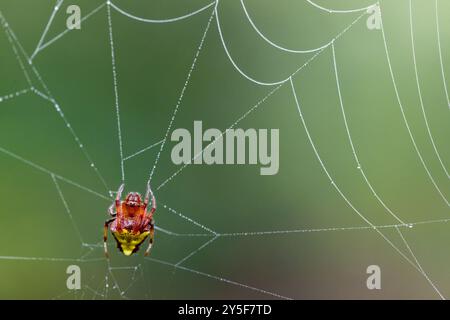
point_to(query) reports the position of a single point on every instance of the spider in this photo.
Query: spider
(131, 223)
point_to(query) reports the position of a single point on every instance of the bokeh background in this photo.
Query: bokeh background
(39, 239)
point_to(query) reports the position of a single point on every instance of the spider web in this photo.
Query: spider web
(236, 255)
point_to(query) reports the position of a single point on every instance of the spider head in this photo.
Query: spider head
(133, 199)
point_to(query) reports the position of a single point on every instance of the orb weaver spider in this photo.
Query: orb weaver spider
(131, 223)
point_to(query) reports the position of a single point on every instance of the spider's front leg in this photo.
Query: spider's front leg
(152, 233)
(117, 204)
(149, 194)
(149, 216)
(111, 211)
(105, 235)
(119, 194)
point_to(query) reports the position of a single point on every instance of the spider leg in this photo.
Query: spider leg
(119, 194)
(105, 235)
(118, 205)
(111, 210)
(149, 194)
(152, 233)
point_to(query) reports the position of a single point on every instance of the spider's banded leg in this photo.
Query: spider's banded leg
(105, 235)
(152, 233)
(149, 194)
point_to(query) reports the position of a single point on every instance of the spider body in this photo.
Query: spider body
(132, 223)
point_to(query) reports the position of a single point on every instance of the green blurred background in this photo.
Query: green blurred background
(37, 233)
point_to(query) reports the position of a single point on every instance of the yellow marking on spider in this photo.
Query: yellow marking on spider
(129, 240)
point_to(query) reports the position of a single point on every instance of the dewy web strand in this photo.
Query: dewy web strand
(419, 90)
(264, 83)
(169, 20)
(60, 35)
(5, 27)
(47, 27)
(419, 265)
(441, 61)
(400, 104)
(13, 40)
(349, 203)
(180, 98)
(273, 44)
(349, 136)
(339, 11)
(116, 92)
